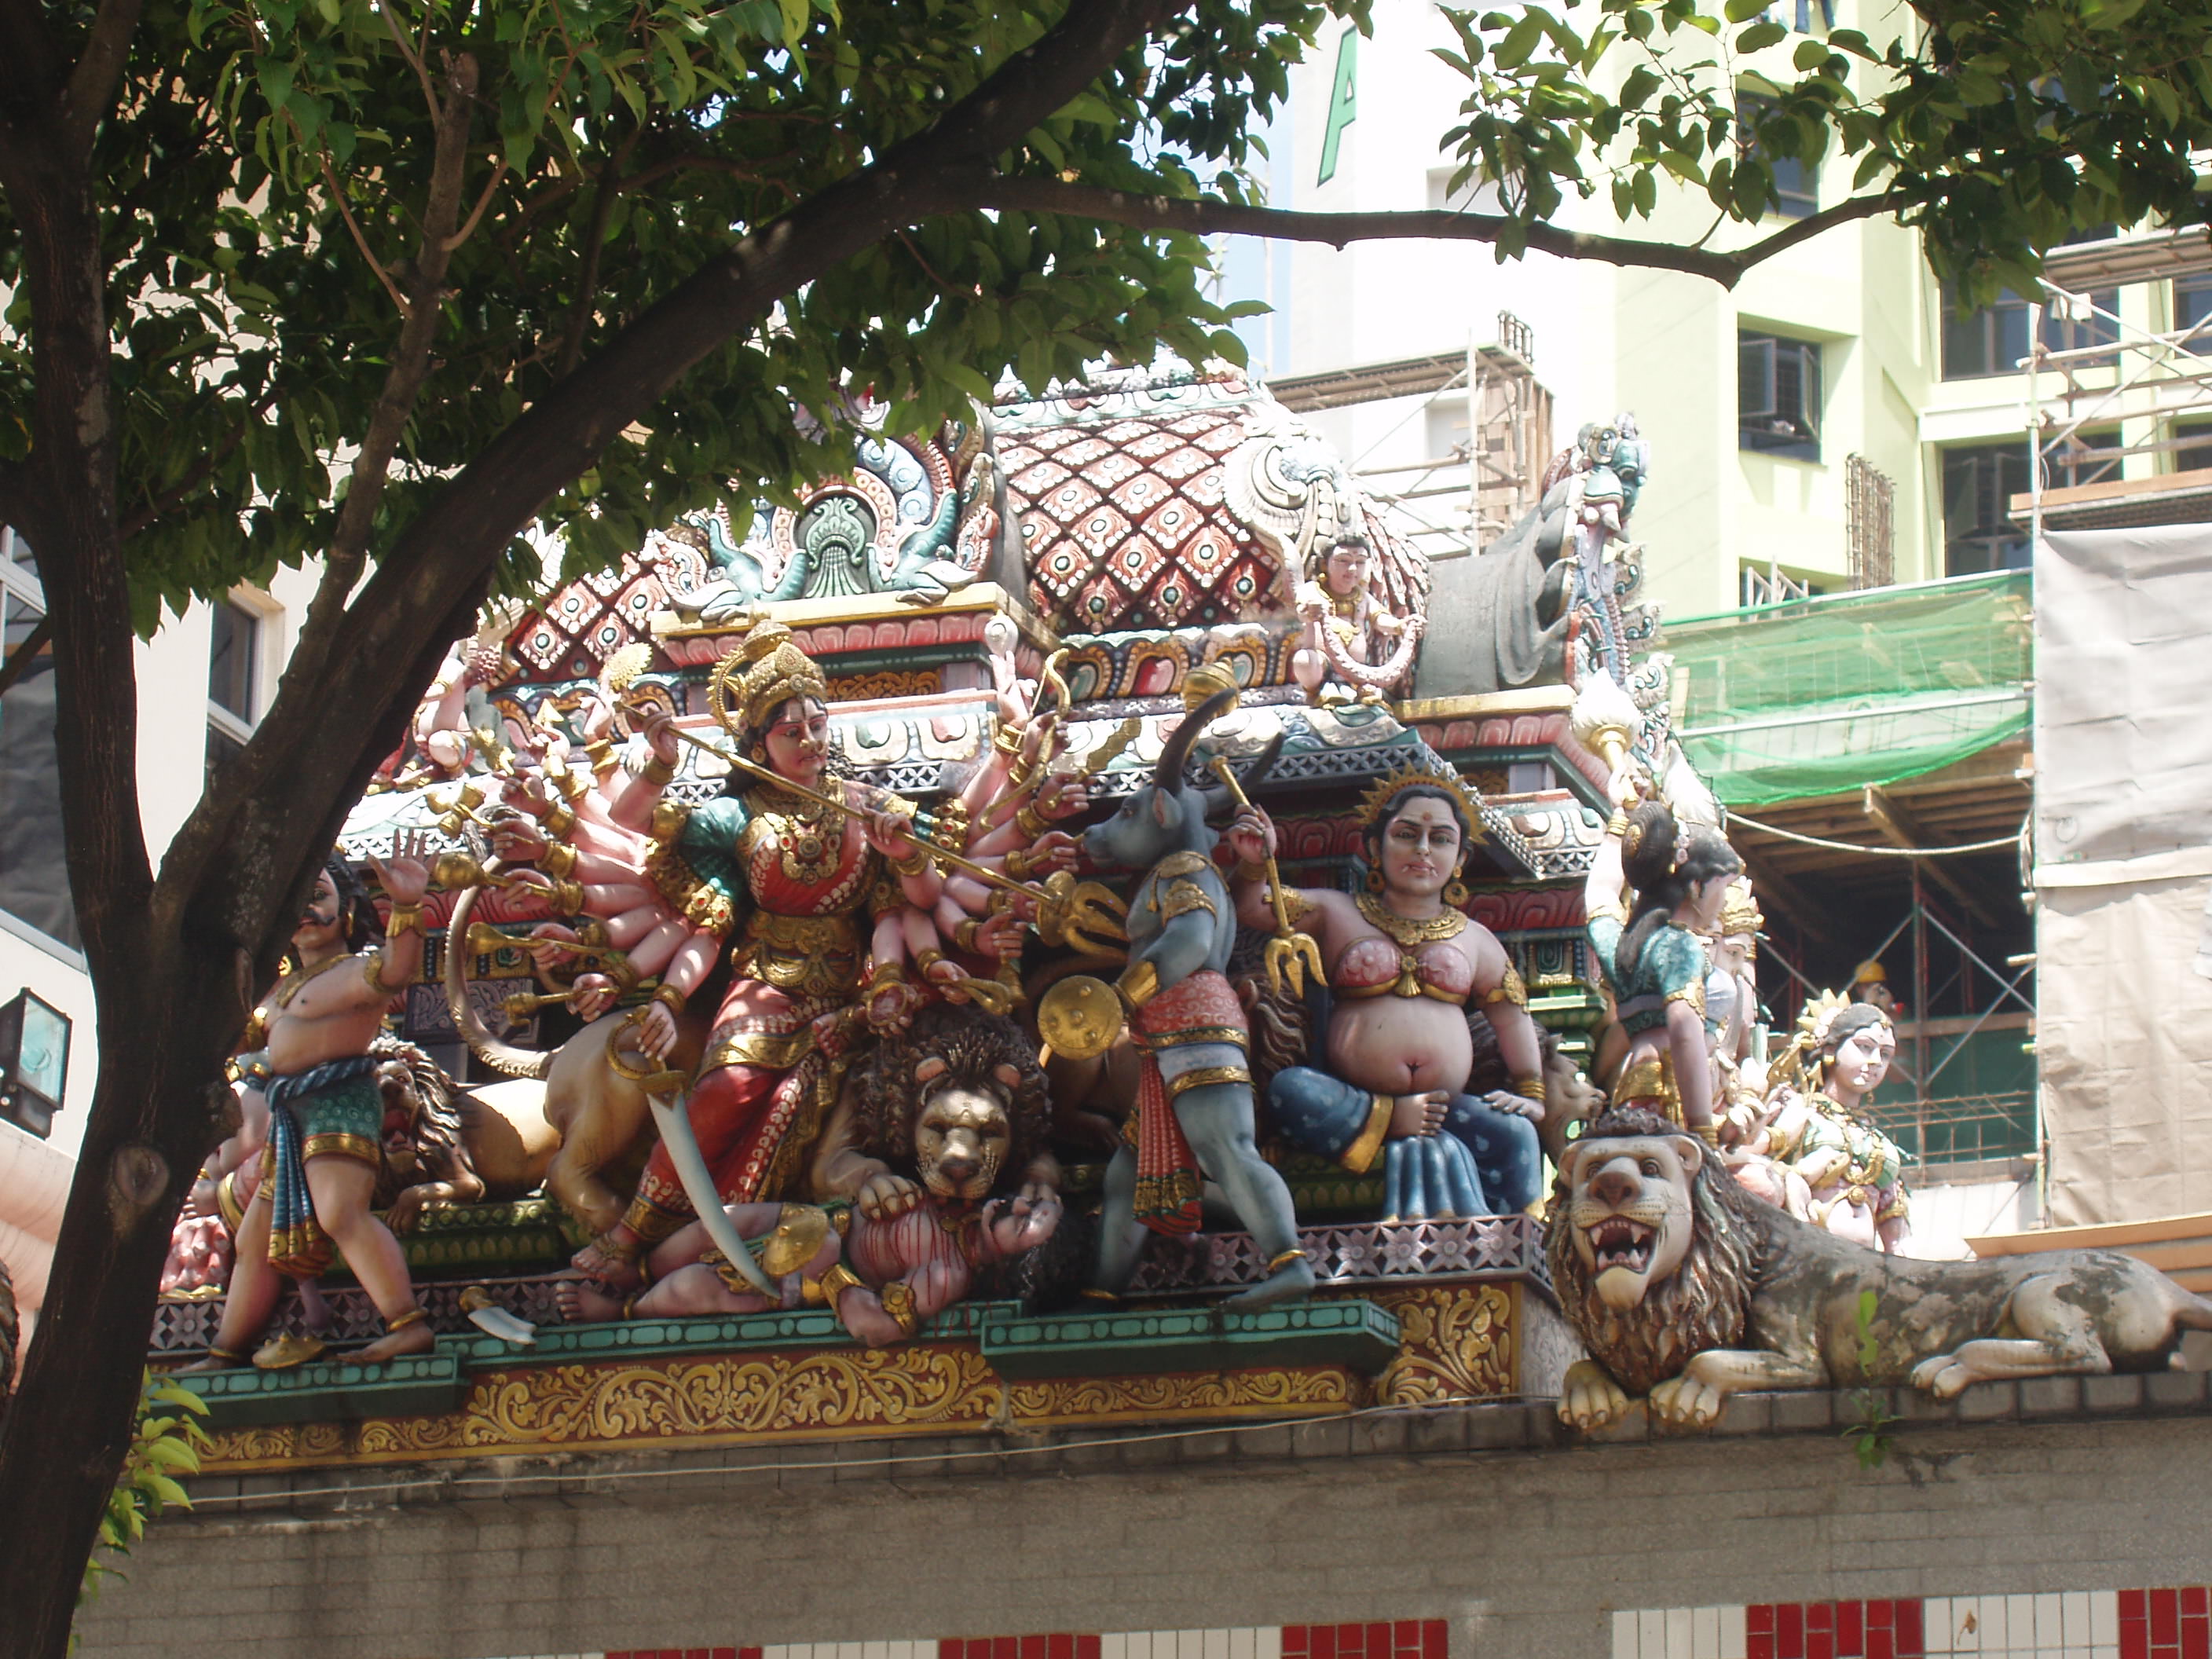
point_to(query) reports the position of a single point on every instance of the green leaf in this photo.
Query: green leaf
(1639, 84)
(1759, 36)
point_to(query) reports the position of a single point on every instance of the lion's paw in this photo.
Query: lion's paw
(1588, 1399)
(1944, 1375)
(1687, 1402)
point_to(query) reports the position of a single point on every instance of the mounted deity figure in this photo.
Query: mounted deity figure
(1405, 967)
(326, 1114)
(1348, 633)
(1653, 954)
(1817, 1125)
(798, 884)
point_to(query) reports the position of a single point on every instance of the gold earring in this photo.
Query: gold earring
(1455, 892)
(1374, 881)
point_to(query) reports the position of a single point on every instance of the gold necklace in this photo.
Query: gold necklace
(292, 984)
(1450, 925)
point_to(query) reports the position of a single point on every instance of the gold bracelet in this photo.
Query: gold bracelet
(1005, 740)
(907, 868)
(1617, 824)
(837, 1280)
(1017, 865)
(1248, 871)
(405, 918)
(964, 936)
(1277, 1263)
(1031, 821)
(567, 896)
(888, 972)
(926, 958)
(897, 1299)
(599, 756)
(372, 966)
(571, 782)
(667, 993)
(560, 860)
(1139, 983)
(561, 820)
(659, 771)
(1530, 1088)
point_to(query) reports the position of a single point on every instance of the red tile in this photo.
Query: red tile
(2193, 1600)
(2165, 1619)
(1879, 1643)
(1036, 1647)
(1820, 1644)
(1910, 1643)
(1294, 1639)
(1002, 1647)
(1061, 1646)
(1758, 1619)
(1435, 1640)
(614, 1655)
(749, 1653)
(672, 1653)
(1759, 1644)
(2135, 1636)
(1086, 1647)
(724, 1653)
(1321, 1642)
(1378, 1642)
(694, 1653)
(1879, 1616)
(2196, 1636)
(2134, 1604)
(1789, 1631)
(1850, 1639)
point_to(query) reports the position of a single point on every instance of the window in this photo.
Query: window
(2192, 304)
(33, 869)
(2086, 458)
(1994, 340)
(1777, 395)
(1978, 485)
(1795, 182)
(233, 676)
(2195, 452)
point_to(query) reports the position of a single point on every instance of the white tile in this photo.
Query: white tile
(2104, 1617)
(783, 1651)
(2051, 1622)
(1217, 1644)
(1651, 1634)
(1139, 1645)
(2074, 1621)
(852, 1650)
(1678, 1633)
(1990, 1615)
(2020, 1624)
(1935, 1623)
(1705, 1633)
(1240, 1643)
(1623, 1636)
(1732, 1632)
(1189, 1645)
(877, 1651)
(1116, 1646)
(1268, 1642)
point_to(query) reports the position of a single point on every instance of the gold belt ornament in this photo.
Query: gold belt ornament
(816, 954)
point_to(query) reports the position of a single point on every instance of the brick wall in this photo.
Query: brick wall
(1456, 1533)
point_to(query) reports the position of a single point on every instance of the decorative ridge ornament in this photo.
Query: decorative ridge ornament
(1379, 794)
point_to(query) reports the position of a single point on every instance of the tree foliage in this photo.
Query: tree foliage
(1999, 131)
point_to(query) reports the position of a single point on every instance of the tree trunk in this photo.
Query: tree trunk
(69, 1428)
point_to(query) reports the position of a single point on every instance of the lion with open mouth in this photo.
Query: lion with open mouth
(1687, 1289)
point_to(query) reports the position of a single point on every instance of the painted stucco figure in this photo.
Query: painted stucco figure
(1405, 966)
(325, 1156)
(1685, 1288)
(1194, 1119)
(1349, 636)
(1816, 1124)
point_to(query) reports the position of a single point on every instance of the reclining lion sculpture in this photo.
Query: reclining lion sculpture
(1685, 1288)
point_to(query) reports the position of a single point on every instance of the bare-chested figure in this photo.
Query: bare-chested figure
(327, 1116)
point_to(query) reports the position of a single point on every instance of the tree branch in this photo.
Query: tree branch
(21, 656)
(1210, 218)
(345, 211)
(91, 87)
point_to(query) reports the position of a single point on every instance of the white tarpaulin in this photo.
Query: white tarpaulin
(2123, 869)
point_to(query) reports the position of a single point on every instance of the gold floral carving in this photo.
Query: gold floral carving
(892, 683)
(1455, 1342)
(1110, 1399)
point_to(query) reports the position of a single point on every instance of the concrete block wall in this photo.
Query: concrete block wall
(1524, 1539)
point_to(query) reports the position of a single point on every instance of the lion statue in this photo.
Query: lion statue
(1687, 1289)
(931, 1179)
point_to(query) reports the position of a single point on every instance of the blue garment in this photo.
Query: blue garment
(1481, 1162)
(1671, 967)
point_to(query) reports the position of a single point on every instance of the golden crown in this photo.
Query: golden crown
(764, 673)
(1379, 793)
(1739, 911)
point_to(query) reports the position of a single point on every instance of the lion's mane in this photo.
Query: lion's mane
(1704, 1303)
(437, 1129)
(972, 1044)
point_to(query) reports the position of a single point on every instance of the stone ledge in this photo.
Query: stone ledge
(341, 1494)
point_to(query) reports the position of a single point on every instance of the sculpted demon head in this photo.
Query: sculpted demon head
(1651, 1262)
(958, 1100)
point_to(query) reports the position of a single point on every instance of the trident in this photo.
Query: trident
(1290, 953)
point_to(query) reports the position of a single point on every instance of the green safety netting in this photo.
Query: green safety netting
(1821, 696)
